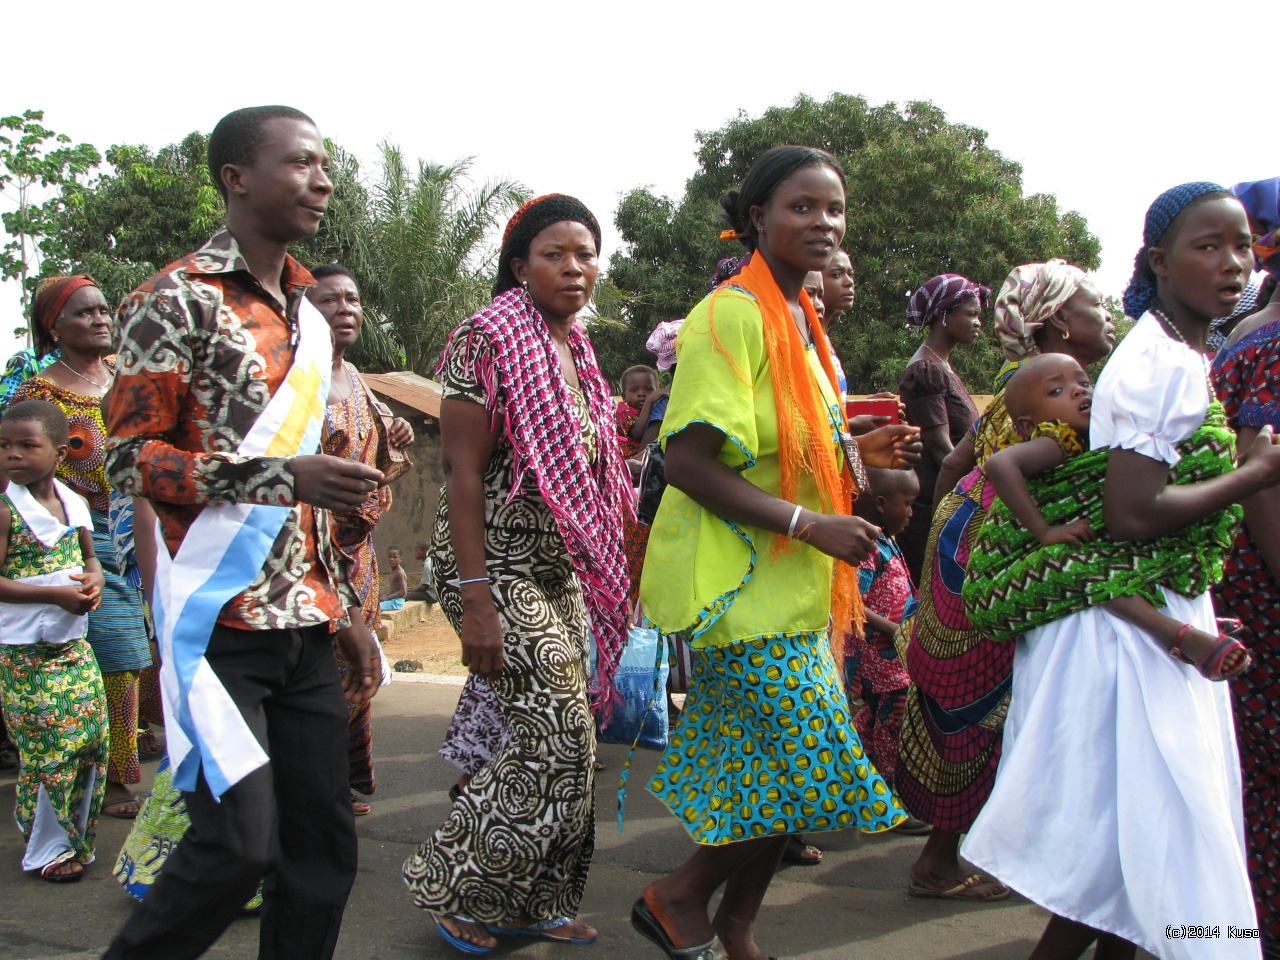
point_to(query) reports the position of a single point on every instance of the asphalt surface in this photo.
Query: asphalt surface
(854, 905)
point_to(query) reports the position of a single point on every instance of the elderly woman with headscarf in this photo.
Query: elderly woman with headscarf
(527, 552)
(955, 706)
(71, 316)
(949, 307)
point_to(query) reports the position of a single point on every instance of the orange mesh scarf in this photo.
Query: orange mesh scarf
(804, 427)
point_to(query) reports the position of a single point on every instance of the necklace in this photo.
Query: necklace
(935, 355)
(100, 386)
(1163, 318)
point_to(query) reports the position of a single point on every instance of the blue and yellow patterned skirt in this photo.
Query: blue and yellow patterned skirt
(765, 746)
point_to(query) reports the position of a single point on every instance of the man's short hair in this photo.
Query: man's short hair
(239, 134)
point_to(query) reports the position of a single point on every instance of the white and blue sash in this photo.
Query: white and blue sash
(221, 554)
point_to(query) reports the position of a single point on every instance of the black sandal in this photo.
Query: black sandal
(798, 851)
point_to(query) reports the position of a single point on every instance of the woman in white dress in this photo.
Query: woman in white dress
(1117, 804)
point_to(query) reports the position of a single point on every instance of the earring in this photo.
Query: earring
(1066, 335)
(944, 323)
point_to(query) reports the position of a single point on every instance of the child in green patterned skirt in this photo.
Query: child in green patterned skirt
(55, 706)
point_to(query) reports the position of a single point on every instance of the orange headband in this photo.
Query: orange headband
(53, 297)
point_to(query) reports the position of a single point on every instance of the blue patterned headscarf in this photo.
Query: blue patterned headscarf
(1142, 287)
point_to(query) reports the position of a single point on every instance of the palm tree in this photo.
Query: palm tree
(426, 261)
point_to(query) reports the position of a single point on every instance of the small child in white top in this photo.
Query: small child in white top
(49, 678)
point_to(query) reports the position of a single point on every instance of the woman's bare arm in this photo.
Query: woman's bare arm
(1140, 503)
(693, 468)
(467, 442)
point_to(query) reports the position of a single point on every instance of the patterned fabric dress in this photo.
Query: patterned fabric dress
(520, 837)
(765, 745)
(873, 671)
(954, 715)
(350, 432)
(635, 535)
(1247, 378)
(117, 629)
(55, 711)
(934, 396)
(150, 706)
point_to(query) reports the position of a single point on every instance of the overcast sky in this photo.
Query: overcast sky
(1104, 104)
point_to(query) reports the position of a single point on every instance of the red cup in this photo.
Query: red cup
(875, 406)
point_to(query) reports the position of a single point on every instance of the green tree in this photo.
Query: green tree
(34, 158)
(421, 257)
(926, 196)
(144, 212)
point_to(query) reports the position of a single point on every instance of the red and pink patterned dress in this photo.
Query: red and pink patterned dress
(1247, 378)
(873, 671)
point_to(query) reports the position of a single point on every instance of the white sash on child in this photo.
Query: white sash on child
(24, 623)
(221, 554)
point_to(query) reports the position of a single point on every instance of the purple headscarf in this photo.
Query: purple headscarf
(940, 294)
(662, 343)
(1261, 199)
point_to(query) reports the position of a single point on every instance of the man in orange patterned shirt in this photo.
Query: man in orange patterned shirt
(206, 344)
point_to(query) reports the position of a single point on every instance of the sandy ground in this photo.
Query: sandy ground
(433, 643)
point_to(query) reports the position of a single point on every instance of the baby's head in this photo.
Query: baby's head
(1047, 387)
(813, 286)
(888, 503)
(637, 383)
(393, 556)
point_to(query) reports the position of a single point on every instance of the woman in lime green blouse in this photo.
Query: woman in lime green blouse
(753, 551)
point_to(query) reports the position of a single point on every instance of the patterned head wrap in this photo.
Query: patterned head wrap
(940, 294)
(725, 269)
(530, 220)
(1261, 199)
(53, 296)
(662, 342)
(1030, 295)
(1142, 287)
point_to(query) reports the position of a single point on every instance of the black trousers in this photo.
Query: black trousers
(289, 821)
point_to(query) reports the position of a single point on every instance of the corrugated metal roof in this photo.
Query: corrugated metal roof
(408, 388)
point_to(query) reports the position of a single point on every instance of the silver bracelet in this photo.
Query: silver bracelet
(463, 583)
(795, 516)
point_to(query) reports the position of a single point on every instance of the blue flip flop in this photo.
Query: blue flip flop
(542, 930)
(465, 946)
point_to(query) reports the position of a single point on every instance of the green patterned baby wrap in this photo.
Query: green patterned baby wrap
(1016, 584)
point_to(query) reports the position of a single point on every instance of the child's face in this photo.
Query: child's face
(1060, 391)
(895, 506)
(420, 552)
(26, 452)
(637, 389)
(813, 287)
(393, 558)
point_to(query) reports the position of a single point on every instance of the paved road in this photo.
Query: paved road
(852, 906)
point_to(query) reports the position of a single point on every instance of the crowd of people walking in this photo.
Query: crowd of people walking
(1041, 633)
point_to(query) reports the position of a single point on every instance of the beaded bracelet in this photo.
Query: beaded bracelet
(463, 583)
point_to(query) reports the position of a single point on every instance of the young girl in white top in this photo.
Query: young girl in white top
(54, 703)
(1117, 805)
